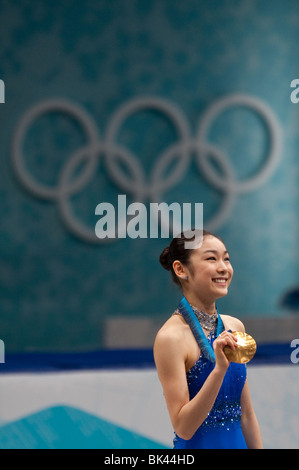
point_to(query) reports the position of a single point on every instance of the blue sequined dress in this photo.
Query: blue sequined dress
(222, 427)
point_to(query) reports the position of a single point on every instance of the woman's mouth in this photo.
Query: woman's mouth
(220, 281)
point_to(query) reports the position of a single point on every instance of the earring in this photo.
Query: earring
(185, 277)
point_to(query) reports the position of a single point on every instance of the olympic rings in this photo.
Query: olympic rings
(275, 136)
(39, 189)
(136, 105)
(134, 181)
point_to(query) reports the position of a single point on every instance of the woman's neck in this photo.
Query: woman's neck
(205, 306)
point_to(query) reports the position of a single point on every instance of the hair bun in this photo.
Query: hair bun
(165, 259)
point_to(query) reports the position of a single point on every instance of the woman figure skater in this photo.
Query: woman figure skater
(207, 396)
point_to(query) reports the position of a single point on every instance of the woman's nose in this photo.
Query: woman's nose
(221, 266)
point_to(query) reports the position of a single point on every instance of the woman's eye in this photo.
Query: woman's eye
(212, 258)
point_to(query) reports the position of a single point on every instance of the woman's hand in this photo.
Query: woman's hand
(226, 338)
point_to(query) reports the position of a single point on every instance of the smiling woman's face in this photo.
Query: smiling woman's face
(211, 272)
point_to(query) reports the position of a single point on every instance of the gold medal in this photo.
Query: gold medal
(245, 350)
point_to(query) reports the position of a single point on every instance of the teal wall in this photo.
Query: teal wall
(57, 290)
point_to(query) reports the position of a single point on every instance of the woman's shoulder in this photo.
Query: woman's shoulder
(232, 323)
(171, 333)
(171, 329)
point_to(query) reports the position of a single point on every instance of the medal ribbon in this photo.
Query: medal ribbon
(186, 310)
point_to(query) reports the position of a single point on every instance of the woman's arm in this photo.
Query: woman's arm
(187, 415)
(250, 426)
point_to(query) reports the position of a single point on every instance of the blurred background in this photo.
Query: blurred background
(135, 79)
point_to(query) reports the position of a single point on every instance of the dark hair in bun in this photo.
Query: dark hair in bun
(177, 251)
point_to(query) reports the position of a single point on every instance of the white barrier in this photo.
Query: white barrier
(74, 409)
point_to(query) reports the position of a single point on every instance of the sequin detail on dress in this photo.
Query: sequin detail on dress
(222, 427)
